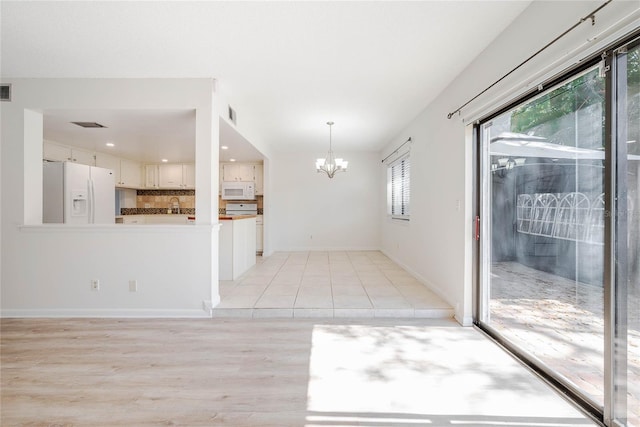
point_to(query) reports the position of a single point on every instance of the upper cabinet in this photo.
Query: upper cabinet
(252, 172)
(189, 175)
(127, 172)
(151, 176)
(130, 173)
(61, 153)
(259, 171)
(238, 172)
(171, 175)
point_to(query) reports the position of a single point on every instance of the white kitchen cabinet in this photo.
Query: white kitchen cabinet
(83, 157)
(127, 172)
(133, 219)
(108, 161)
(237, 247)
(130, 173)
(170, 175)
(259, 174)
(238, 172)
(61, 153)
(158, 219)
(177, 175)
(55, 153)
(189, 176)
(259, 235)
(151, 176)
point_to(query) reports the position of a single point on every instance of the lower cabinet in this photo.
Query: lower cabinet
(237, 247)
(131, 219)
(259, 235)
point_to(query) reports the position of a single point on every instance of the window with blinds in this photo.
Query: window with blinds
(398, 177)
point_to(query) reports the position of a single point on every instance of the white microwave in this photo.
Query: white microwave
(238, 190)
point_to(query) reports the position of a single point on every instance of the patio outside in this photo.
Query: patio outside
(560, 322)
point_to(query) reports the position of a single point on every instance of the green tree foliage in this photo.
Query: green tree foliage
(582, 92)
(579, 93)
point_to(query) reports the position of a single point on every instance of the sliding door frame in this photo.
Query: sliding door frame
(611, 61)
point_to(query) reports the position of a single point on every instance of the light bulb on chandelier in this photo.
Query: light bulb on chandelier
(330, 165)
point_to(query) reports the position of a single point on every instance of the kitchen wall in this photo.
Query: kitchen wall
(309, 211)
(158, 201)
(437, 243)
(47, 269)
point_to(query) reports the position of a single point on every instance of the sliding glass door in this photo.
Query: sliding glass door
(626, 236)
(559, 258)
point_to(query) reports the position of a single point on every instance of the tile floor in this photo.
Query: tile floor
(328, 284)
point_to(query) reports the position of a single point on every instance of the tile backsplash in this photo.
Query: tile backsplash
(149, 202)
(162, 199)
(153, 202)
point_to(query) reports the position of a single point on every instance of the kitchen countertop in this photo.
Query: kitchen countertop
(234, 217)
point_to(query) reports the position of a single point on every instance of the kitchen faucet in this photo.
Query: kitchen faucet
(174, 203)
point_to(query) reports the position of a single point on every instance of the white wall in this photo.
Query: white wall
(312, 212)
(47, 268)
(244, 126)
(436, 245)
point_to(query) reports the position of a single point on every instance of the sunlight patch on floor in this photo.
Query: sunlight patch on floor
(404, 375)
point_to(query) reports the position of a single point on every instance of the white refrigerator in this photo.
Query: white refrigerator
(78, 194)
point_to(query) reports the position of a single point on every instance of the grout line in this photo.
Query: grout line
(268, 284)
(371, 264)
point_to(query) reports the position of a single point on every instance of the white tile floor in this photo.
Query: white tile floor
(328, 284)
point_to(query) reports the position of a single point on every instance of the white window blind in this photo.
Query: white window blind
(399, 176)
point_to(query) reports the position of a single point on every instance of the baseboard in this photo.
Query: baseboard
(422, 280)
(464, 321)
(114, 313)
(329, 249)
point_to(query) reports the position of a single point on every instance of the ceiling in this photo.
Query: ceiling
(286, 67)
(144, 135)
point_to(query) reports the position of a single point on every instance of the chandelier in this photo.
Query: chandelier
(331, 165)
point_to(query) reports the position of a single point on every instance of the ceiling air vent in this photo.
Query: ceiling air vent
(89, 124)
(232, 115)
(5, 92)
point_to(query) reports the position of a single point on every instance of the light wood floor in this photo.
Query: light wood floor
(272, 372)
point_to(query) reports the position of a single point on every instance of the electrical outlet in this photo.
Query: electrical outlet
(133, 286)
(95, 285)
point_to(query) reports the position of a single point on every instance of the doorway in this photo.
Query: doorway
(559, 278)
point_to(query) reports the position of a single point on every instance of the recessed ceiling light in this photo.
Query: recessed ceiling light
(164, 160)
(232, 160)
(224, 147)
(110, 144)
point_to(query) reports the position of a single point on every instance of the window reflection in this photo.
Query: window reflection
(546, 172)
